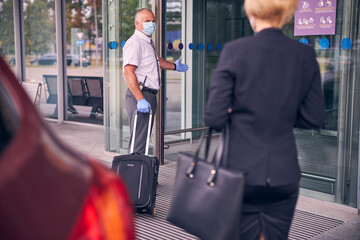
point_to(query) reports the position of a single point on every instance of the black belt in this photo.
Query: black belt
(150, 90)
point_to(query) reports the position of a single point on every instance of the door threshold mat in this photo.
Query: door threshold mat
(305, 225)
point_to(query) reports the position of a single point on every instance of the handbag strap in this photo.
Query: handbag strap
(222, 151)
(190, 171)
(208, 141)
(220, 157)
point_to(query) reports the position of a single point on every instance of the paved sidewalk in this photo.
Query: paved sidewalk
(89, 140)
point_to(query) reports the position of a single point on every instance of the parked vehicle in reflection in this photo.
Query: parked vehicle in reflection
(47, 59)
(76, 60)
(71, 60)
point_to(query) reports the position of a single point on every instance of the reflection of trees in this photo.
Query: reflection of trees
(91, 19)
(80, 14)
(173, 15)
(127, 14)
(288, 28)
(6, 27)
(39, 30)
(75, 17)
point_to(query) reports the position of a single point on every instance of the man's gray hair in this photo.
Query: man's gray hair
(138, 13)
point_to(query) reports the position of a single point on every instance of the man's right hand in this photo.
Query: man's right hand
(143, 106)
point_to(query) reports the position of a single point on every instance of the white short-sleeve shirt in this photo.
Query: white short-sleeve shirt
(139, 52)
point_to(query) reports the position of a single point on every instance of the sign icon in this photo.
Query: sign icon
(305, 5)
(80, 42)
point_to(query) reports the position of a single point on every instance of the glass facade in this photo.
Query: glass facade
(119, 26)
(7, 39)
(40, 52)
(173, 51)
(329, 156)
(84, 61)
(196, 31)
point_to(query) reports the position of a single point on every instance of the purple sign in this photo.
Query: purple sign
(315, 17)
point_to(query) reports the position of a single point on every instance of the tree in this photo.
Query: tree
(39, 31)
(7, 45)
(75, 17)
(90, 18)
(127, 16)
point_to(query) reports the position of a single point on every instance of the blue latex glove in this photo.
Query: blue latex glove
(181, 67)
(143, 106)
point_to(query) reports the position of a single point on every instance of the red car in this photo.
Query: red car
(48, 191)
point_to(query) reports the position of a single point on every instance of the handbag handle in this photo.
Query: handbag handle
(190, 171)
(219, 159)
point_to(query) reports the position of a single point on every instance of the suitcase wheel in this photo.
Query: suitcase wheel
(151, 210)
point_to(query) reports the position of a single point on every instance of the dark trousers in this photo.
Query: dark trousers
(142, 120)
(269, 210)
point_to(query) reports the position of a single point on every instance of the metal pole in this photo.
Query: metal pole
(96, 33)
(105, 24)
(159, 116)
(61, 49)
(358, 183)
(19, 39)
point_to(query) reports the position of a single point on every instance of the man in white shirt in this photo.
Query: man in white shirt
(142, 75)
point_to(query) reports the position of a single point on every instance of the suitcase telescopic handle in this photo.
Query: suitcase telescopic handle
(148, 133)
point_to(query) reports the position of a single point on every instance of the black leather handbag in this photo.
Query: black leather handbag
(207, 197)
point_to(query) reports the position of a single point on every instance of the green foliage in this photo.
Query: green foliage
(39, 30)
(80, 14)
(39, 22)
(288, 28)
(127, 16)
(7, 45)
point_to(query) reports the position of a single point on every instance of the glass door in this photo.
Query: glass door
(40, 53)
(118, 27)
(195, 31)
(328, 156)
(84, 61)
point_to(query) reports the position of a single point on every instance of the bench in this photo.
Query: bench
(82, 91)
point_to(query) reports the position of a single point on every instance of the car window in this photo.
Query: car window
(9, 118)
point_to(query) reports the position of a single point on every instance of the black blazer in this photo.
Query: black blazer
(272, 83)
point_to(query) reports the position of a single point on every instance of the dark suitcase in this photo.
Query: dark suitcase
(140, 175)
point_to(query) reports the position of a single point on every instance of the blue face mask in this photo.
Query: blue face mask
(149, 28)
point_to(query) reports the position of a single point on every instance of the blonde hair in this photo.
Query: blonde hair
(276, 12)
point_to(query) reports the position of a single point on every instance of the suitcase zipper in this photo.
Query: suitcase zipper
(141, 174)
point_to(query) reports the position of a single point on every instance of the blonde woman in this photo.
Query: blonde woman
(264, 86)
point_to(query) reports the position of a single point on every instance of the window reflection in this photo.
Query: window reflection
(7, 43)
(84, 61)
(40, 51)
(317, 148)
(173, 78)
